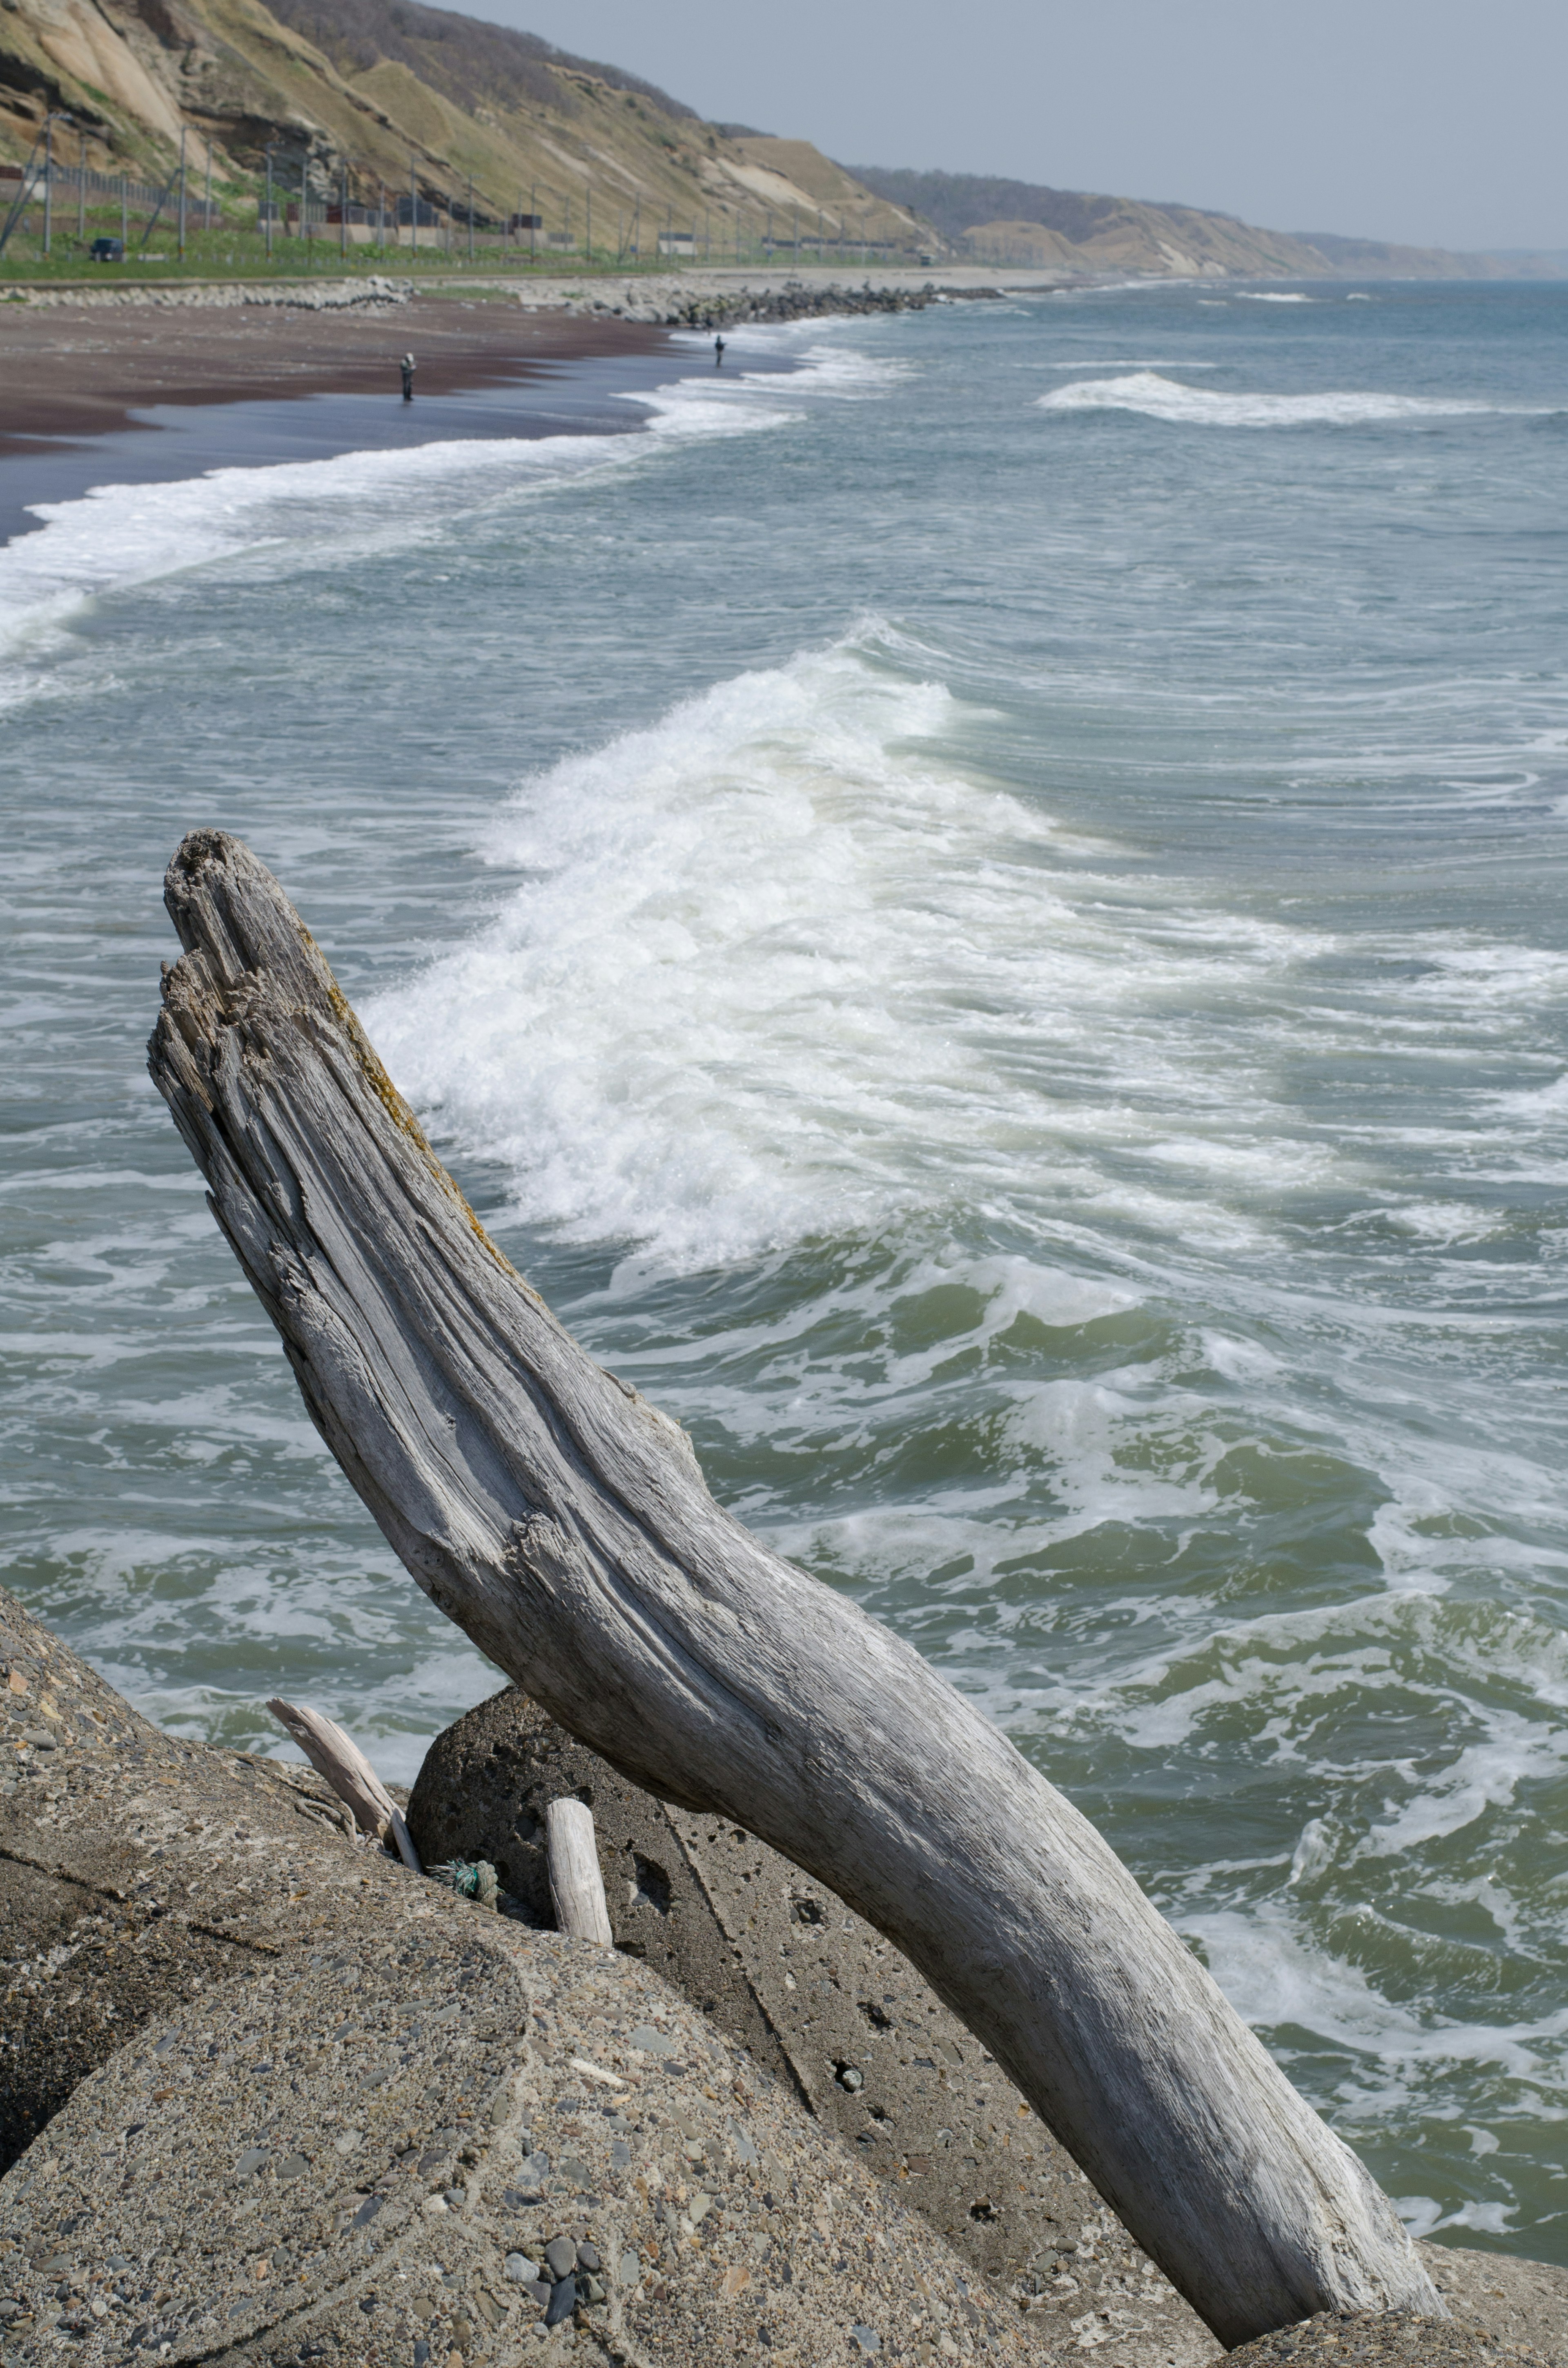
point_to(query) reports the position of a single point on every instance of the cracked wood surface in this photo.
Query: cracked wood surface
(565, 1525)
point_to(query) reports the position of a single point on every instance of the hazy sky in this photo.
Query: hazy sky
(1427, 120)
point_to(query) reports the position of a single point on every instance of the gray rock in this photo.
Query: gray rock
(1385, 2340)
(560, 2256)
(356, 2003)
(198, 1966)
(814, 1994)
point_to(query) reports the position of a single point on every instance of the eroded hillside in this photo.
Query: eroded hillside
(394, 98)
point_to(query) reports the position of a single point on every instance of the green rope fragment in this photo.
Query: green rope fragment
(478, 1882)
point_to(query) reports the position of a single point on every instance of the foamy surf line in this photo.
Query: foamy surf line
(116, 536)
(1158, 397)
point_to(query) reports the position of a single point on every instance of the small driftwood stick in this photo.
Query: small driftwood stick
(338, 1758)
(576, 1886)
(565, 1527)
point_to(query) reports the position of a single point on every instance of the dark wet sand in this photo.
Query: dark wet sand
(82, 372)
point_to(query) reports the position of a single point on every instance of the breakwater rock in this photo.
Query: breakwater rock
(267, 2096)
(320, 2109)
(293, 296)
(1389, 2340)
(724, 308)
(827, 2005)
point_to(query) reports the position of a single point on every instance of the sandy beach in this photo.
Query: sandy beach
(80, 370)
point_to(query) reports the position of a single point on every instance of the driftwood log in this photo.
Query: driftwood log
(565, 1525)
(577, 1884)
(338, 1758)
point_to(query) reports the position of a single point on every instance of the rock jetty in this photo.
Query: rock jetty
(267, 2096)
(369, 2121)
(831, 2010)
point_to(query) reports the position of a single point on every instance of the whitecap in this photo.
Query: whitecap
(116, 536)
(1167, 399)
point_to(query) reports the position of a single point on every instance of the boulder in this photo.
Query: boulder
(814, 1994)
(322, 2109)
(275, 2099)
(827, 2005)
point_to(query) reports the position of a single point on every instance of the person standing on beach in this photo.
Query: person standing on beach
(407, 368)
(718, 353)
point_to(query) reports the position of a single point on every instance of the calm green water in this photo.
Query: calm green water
(985, 918)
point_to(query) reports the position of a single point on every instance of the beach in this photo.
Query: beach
(85, 368)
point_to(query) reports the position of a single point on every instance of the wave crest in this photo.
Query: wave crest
(1199, 406)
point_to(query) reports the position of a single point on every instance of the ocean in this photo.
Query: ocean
(979, 906)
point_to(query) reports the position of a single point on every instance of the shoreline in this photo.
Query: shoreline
(148, 385)
(84, 369)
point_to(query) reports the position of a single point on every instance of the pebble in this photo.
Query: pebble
(1385, 2340)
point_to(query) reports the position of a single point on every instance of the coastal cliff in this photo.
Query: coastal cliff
(361, 96)
(424, 110)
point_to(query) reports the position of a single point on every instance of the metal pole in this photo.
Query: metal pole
(381, 216)
(124, 212)
(533, 224)
(48, 179)
(588, 241)
(343, 209)
(182, 193)
(305, 204)
(207, 201)
(81, 187)
(471, 217)
(412, 208)
(270, 205)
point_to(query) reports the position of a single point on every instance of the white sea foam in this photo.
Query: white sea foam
(1164, 398)
(779, 966)
(116, 536)
(1267, 296)
(1280, 1976)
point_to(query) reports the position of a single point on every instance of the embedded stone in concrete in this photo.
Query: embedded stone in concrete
(319, 2161)
(1385, 2340)
(813, 1993)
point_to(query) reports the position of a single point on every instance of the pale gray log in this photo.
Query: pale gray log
(577, 1884)
(565, 1525)
(338, 1758)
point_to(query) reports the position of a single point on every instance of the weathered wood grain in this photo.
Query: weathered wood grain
(336, 1757)
(577, 1884)
(564, 1524)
